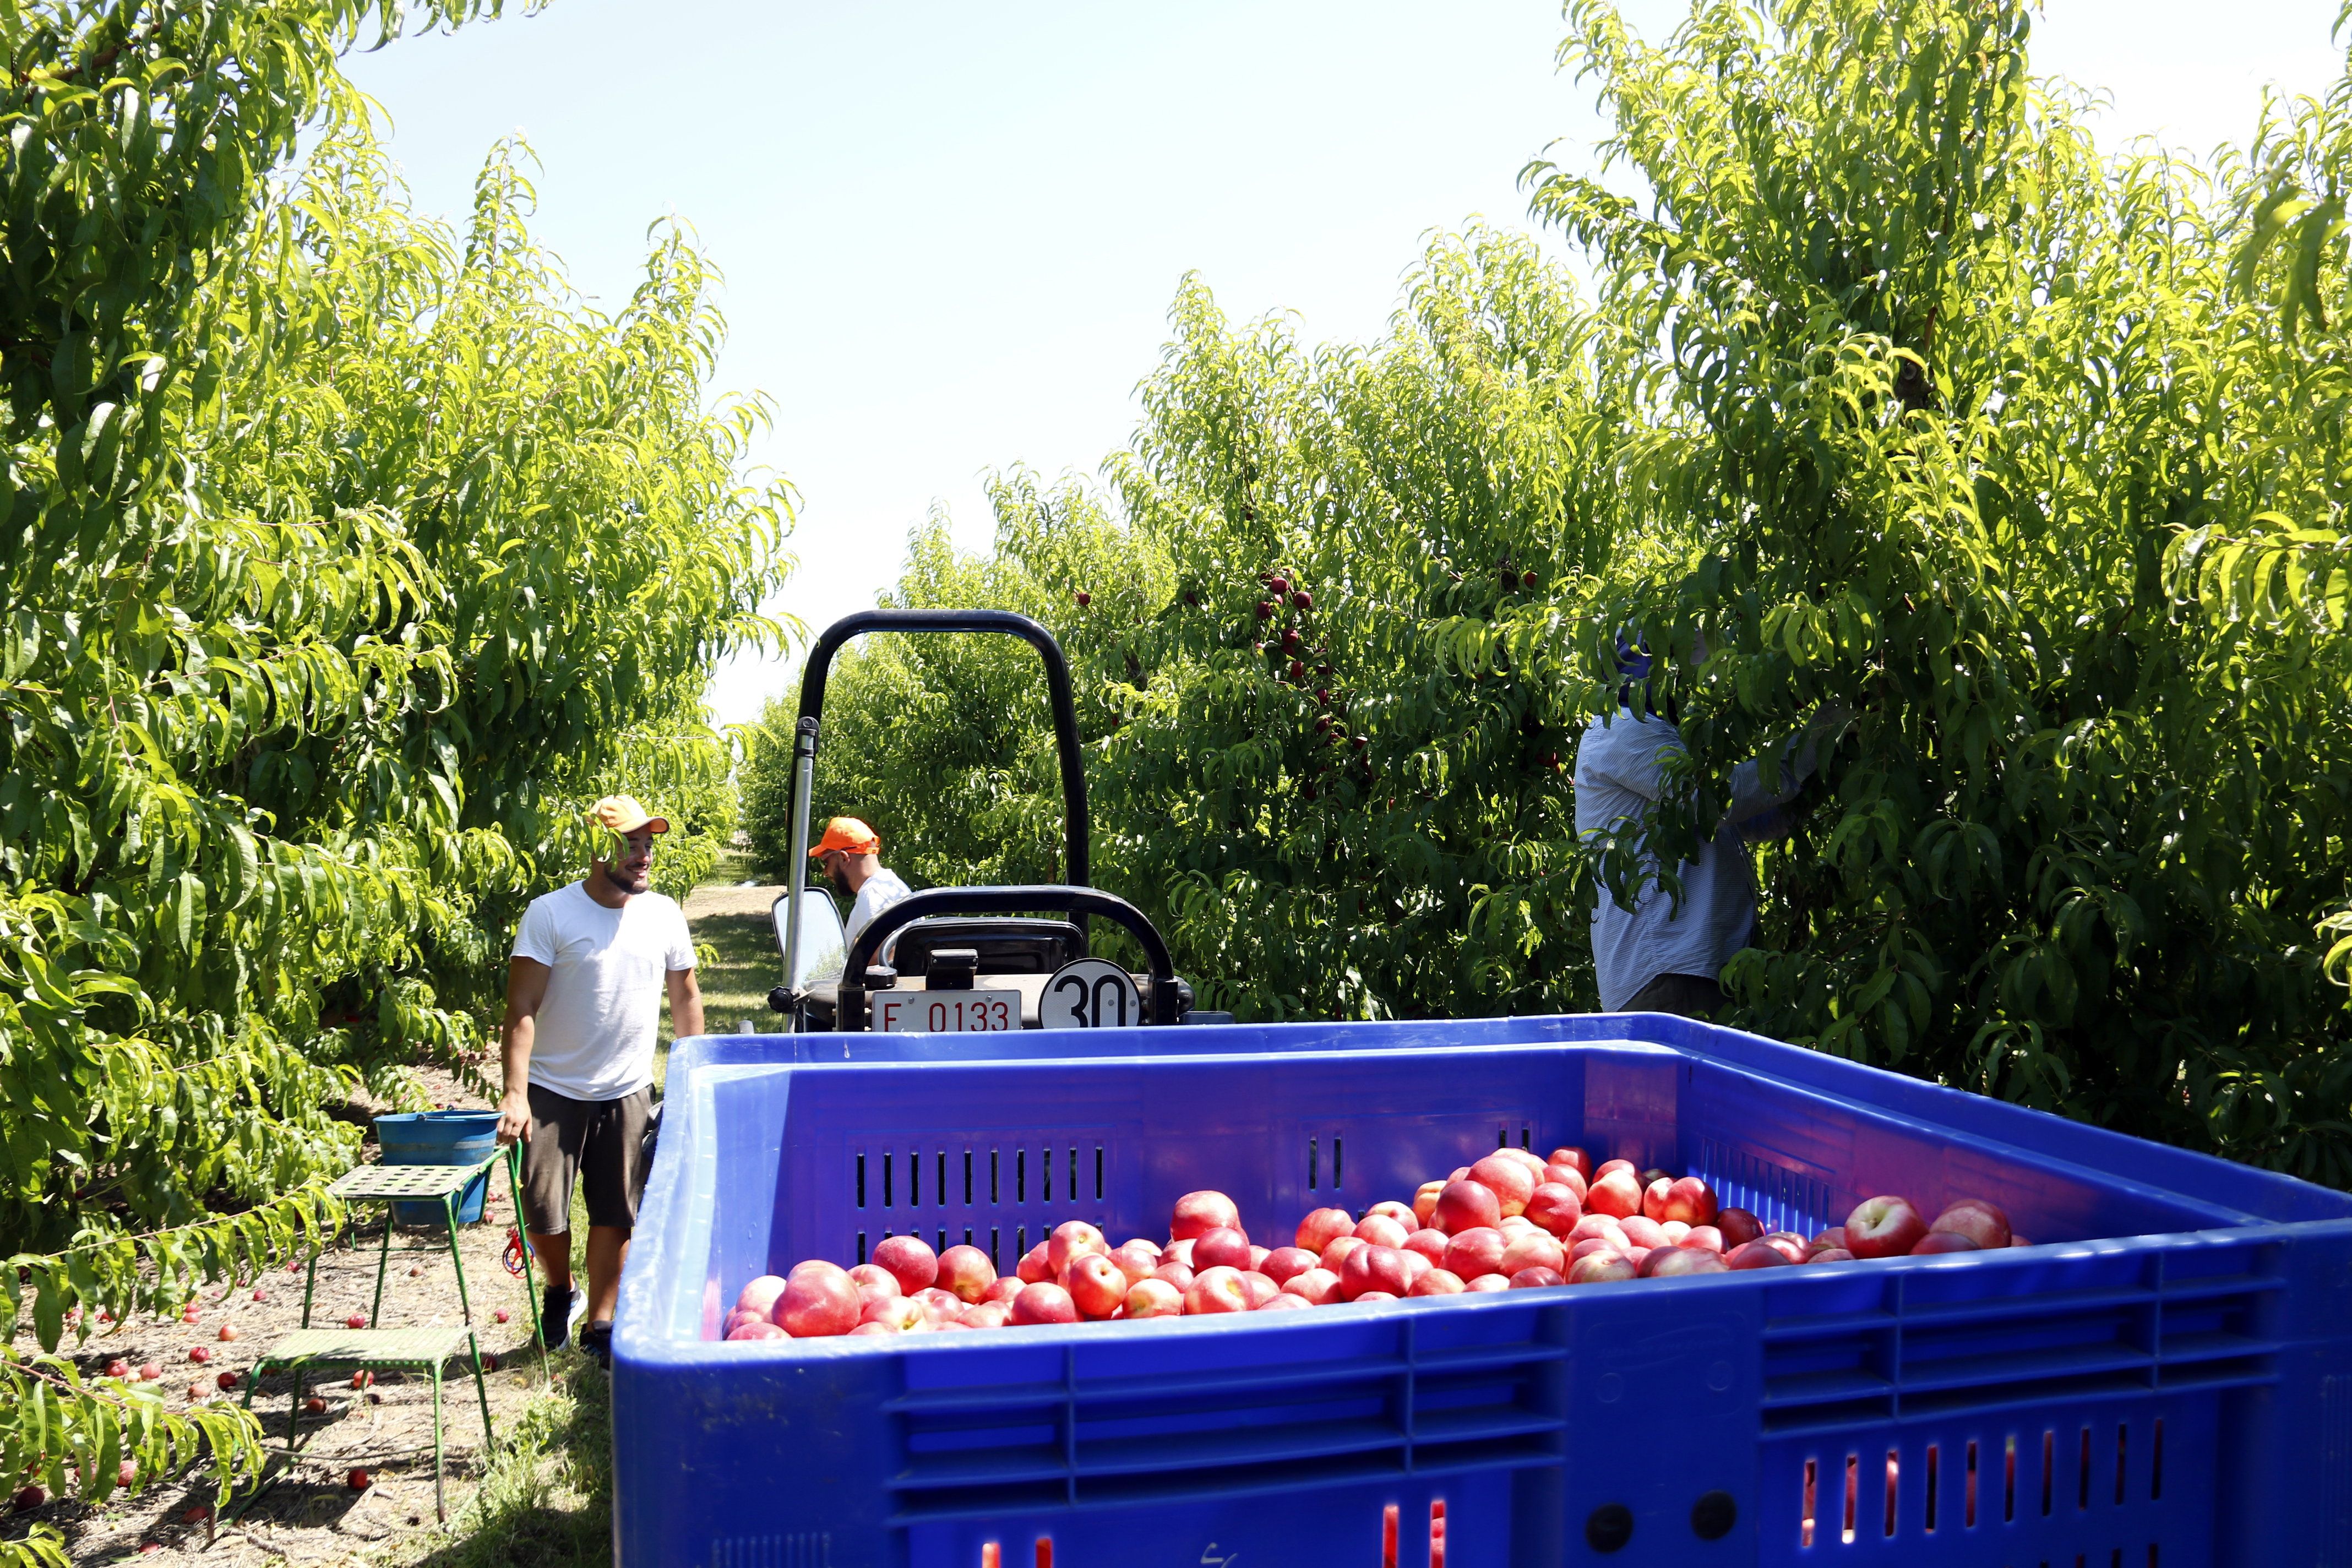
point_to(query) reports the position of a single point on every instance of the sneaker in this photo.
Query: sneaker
(596, 1342)
(562, 1304)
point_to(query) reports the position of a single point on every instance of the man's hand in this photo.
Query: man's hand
(514, 1118)
(526, 989)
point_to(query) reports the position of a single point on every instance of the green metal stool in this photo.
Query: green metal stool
(426, 1349)
(389, 1349)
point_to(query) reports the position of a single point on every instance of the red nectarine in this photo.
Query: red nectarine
(1317, 1287)
(760, 1295)
(1739, 1227)
(1980, 1221)
(1474, 1251)
(1512, 1181)
(1220, 1247)
(1202, 1212)
(1665, 1262)
(1556, 1207)
(1217, 1289)
(1429, 1244)
(1615, 1192)
(1757, 1254)
(1155, 1299)
(1884, 1226)
(1936, 1241)
(1073, 1239)
(1466, 1205)
(1373, 1267)
(1096, 1285)
(1598, 1268)
(817, 1303)
(1533, 1250)
(1285, 1264)
(1324, 1227)
(1043, 1302)
(909, 1260)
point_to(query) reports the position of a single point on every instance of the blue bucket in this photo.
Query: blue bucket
(440, 1138)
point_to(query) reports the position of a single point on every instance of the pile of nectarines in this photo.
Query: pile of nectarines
(1511, 1221)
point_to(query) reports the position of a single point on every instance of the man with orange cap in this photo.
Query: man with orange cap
(851, 854)
(583, 1014)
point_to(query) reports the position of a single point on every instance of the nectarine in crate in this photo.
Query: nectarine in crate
(2162, 1380)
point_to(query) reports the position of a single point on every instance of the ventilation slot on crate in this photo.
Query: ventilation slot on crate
(1315, 1182)
(2053, 1487)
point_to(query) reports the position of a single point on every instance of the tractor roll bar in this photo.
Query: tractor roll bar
(1159, 1005)
(1075, 868)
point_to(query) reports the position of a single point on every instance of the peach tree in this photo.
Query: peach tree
(2016, 451)
(344, 557)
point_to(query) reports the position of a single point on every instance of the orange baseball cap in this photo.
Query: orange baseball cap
(847, 833)
(622, 814)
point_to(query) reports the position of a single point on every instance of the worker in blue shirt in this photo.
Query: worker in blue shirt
(1667, 954)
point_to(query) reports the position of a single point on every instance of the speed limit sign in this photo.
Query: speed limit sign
(1090, 993)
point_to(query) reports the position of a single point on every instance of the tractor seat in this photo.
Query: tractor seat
(1006, 945)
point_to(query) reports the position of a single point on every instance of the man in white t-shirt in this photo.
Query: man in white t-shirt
(584, 1012)
(851, 854)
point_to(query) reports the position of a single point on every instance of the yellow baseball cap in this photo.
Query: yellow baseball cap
(847, 833)
(623, 814)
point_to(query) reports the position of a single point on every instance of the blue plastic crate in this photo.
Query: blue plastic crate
(2167, 1379)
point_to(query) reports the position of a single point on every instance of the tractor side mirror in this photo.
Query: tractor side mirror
(823, 947)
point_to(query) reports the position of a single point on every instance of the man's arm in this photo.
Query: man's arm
(685, 1005)
(526, 989)
(1754, 809)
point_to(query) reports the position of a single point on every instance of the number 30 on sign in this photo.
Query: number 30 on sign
(1090, 993)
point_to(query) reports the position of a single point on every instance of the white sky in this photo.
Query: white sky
(951, 232)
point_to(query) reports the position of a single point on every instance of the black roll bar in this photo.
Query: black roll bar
(1075, 868)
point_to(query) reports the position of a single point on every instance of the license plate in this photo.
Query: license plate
(946, 1012)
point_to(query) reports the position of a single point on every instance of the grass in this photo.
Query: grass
(547, 1499)
(736, 988)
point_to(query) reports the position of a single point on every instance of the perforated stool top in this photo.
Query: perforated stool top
(407, 1180)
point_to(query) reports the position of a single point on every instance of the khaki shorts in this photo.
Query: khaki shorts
(599, 1142)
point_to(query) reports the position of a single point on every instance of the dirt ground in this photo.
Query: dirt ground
(307, 1511)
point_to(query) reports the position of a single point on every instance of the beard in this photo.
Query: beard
(838, 879)
(622, 881)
